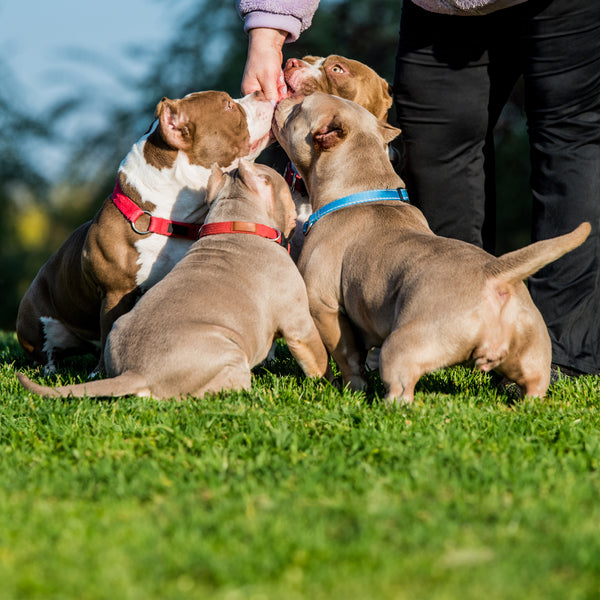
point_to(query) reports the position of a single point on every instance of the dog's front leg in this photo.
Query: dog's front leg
(310, 354)
(339, 339)
(114, 304)
(303, 339)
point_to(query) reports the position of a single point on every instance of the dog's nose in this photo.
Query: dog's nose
(292, 63)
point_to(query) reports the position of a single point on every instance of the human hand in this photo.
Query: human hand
(263, 64)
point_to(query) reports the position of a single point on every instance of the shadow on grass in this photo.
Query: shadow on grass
(450, 381)
(11, 352)
(459, 380)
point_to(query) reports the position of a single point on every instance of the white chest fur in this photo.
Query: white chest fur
(178, 194)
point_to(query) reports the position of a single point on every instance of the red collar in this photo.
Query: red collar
(294, 179)
(270, 233)
(132, 212)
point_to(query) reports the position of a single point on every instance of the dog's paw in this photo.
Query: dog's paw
(372, 361)
(397, 401)
(49, 368)
(357, 383)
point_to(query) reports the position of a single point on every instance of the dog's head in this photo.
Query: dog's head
(211, 127)
(253, 192)
(344, 77)
(312, 130)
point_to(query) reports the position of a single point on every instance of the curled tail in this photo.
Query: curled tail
(520, 264)
(121, 385)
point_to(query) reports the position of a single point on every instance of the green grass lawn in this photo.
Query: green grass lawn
(299, 491)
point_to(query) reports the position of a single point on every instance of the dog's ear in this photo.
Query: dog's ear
(388, 132)
(330, 134)
(376, 97)
(252, 177)
(246, 171)
(216, 181)
(256, 182)
(174, 126)
(386, 95)
(159, 107)
(311, 60)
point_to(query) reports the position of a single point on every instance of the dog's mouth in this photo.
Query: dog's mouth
(280, 115)
(289, 84)
(297, 86)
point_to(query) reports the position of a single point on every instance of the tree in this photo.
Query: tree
(20, 182)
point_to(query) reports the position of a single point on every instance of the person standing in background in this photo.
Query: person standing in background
(457, 63)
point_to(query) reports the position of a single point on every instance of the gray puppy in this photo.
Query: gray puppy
(377, 276)
(216, 314)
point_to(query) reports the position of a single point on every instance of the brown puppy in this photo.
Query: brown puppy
(215, 315)
(341, 77)
(106, 264)
(336, 75)
(377, 276)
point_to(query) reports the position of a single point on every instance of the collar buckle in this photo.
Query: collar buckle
(132, 212)
(139, 231)
(294, 179)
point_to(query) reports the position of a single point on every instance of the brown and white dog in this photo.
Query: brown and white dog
(341, 77)
(106, 264)
(377, 276)
(215, 315)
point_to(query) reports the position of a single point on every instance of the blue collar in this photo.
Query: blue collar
(360, 198)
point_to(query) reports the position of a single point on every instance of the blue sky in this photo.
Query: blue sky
(52, 48)
(36, 37)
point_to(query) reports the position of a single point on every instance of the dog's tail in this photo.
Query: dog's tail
(122, 385)
(520, 264)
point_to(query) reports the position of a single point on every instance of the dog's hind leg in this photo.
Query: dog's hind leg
(408, 353)
(201, 370)
(529, 361)
(398, 370)
(529, 370)
(231, 377)
(339, 339)
(304, 342)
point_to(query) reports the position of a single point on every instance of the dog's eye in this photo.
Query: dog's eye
(337, 69)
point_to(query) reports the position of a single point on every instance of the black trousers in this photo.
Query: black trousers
(453, 77)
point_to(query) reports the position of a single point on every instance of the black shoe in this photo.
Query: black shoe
(506, 386)
(558, 373)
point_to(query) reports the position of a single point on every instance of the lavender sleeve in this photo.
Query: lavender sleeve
(293, 16)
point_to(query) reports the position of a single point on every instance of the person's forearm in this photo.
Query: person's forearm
(265, 39)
